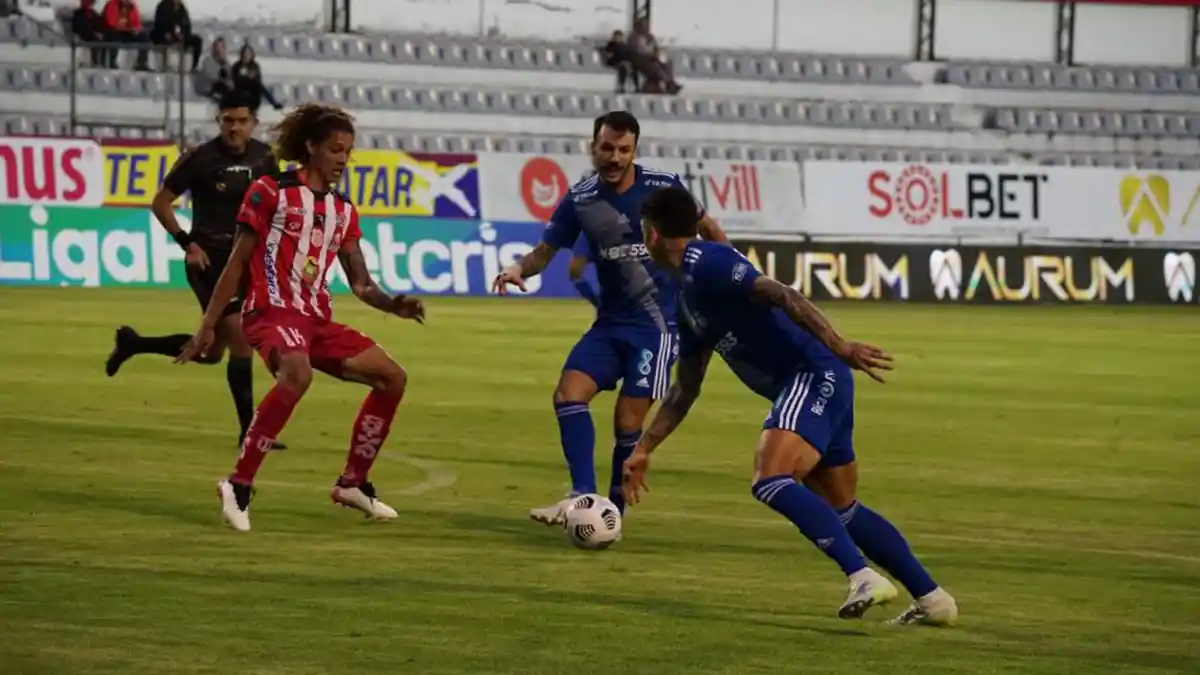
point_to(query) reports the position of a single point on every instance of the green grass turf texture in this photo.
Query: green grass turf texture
(1042, 461)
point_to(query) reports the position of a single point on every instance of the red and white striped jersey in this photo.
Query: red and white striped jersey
(299, 234)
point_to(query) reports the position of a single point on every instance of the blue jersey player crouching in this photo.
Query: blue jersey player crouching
(633, 340)
(781, 347)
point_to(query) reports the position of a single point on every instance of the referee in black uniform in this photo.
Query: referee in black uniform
(217, 174)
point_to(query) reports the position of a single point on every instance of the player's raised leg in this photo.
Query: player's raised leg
(837, 484)
(375, 368)
(239, 373)
(128, 343)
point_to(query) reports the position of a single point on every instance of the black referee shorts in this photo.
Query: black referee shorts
(204, 281)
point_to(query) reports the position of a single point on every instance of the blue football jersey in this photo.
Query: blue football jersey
(762, 346)
(632, 289)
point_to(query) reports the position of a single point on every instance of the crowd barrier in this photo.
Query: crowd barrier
(74, 211)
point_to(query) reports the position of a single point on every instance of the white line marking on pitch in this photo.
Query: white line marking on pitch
(437, 475)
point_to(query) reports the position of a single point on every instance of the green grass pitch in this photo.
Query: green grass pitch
(1044, 462)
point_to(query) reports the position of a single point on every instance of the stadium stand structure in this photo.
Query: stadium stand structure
(528, 96)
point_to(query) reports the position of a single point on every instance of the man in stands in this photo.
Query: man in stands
(123, 25)
(173, 26)
(88, 26)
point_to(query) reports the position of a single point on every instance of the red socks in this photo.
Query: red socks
(370, 431)
(272, 415)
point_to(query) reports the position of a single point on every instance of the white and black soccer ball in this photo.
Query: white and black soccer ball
(592, 522)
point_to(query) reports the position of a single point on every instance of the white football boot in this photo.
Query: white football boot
(362, 498)
(868, 589)
(935, 608)
(235, 504)
(556, 514)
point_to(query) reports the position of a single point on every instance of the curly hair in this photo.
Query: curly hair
(309, 122)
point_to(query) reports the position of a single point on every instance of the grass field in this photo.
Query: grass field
(1043, 461)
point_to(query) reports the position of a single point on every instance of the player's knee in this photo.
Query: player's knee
(574, 387)
(296, 375)
(393, 380)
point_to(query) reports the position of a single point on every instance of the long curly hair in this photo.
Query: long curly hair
(309, 122)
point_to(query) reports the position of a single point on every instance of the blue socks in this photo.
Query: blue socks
(884, 544)
(815, 518)
(578, 436)
(585, 289)
(621, 451)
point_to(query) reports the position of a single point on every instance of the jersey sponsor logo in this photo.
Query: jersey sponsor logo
(52, 172)
(542, 183)
(659, 183)
(623, 252)
(317, 237)
(726, 344)
(1179, 273)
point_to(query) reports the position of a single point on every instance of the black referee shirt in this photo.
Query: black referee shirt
(218, 179)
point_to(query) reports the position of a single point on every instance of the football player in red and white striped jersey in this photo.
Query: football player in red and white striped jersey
(291, 228)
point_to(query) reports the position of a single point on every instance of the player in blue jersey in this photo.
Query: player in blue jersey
(632, 342)
(781, 347)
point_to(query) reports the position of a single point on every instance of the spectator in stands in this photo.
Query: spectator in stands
(173, 26)
(88, 26)
(651, 61)
(213, 78)
(123, 25)
(247, 77)
(616, 56)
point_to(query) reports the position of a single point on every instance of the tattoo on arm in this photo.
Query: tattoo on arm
(799, 309)
(536, 260)
(364, 287)
(678, 401)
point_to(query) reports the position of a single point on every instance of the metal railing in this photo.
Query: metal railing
(88, 57)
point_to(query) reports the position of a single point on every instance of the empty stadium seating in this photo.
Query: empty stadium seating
(1120, 129)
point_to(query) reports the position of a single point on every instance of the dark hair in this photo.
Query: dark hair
(673, 213)
(309, 122)
(237, 98)
(617, 120)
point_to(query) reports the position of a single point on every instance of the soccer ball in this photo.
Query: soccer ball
(593, 522)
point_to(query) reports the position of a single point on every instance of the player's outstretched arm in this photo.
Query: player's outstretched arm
(675, 407)
(711, 231)
(226, 289)
(350, 255)
(800, 309)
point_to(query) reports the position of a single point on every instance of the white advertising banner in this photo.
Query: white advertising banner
(741, 196)
(880, 199)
